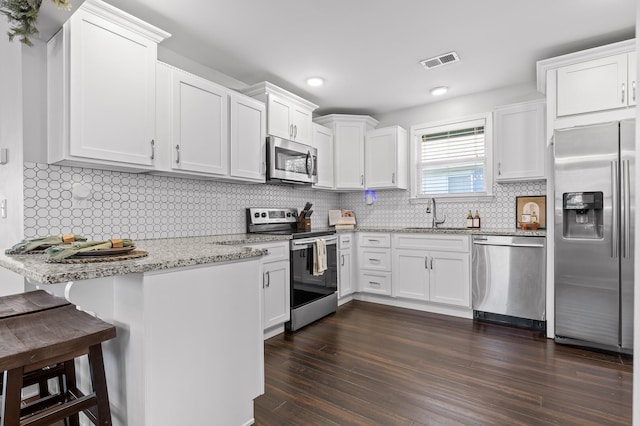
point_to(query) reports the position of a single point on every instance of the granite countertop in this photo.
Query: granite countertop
(163, 254)
(463, 231)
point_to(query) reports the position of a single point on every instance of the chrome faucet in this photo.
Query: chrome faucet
(431, 208)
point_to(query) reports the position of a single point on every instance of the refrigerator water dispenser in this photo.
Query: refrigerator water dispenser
(582, 215)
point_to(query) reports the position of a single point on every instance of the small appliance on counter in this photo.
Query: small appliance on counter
(313, 296)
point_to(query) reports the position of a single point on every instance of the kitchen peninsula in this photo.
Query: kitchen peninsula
(189, 326)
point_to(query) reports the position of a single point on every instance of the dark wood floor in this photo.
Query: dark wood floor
(376, 365)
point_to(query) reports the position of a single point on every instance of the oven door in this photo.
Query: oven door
(291, 161)
(306, 287)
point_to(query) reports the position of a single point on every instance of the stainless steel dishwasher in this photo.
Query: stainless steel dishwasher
(509, 280)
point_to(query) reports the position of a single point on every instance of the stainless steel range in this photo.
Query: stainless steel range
(312, 296)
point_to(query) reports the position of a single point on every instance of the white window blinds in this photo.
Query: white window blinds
(452, 161)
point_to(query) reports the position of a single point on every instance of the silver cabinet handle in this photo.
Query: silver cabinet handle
(374, 260)
(291, 130)
(496, 244)
(426, 262)
(268, 279)
(373, 241)
(177, 154)
(342, 260)
(295, 131)
(633, 91)
(614, 210)
(623, 90)
(431, 264)
(361, 179)
(626, 210)
(499, 169)
(153, 149)
(393, 178)
(374, 283)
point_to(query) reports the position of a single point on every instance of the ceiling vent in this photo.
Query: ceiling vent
(440, 60)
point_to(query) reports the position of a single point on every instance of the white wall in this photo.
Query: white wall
(636, 301)
(460, 106)
(11, 139)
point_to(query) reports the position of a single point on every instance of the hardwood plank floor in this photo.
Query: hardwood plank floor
(371, 364)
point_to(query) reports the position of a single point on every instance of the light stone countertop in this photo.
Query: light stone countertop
(164, 254)
(462, 231)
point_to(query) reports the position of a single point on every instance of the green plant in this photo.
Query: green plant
(23, 15)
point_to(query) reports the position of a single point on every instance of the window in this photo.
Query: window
(452, 159)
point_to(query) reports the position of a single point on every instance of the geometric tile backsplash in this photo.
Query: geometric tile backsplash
(141, 206)
(393, 207)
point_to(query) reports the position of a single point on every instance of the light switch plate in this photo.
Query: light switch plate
(3, 155)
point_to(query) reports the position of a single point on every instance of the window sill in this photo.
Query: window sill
(452, 198)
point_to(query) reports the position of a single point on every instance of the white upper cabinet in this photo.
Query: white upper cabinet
(101, 89)
(348, 143)
(204, 129)
(323, 142)
(288, 116)
(520, 142)
(248, 146)
(385, 158)
(595, 85)
(199, 125)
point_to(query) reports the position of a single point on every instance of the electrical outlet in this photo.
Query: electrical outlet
(3, 209)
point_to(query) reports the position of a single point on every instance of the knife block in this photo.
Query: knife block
(304, 224)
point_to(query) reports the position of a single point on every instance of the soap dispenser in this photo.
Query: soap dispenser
(476, 220)
(469, 220)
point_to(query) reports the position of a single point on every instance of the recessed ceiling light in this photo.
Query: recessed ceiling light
(315, 81)
(440, 90)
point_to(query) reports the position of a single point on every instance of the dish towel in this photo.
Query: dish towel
(319, 257)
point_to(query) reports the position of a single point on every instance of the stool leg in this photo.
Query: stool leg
(11, 397)
(69, 385)
(99, 384)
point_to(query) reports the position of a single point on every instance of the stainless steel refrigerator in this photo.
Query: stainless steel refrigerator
(594, 231)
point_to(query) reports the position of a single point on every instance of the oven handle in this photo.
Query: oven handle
(308, 242)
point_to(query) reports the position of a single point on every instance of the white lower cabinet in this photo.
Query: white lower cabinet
(434, 268)
(346, 281)
(374, 258)
(276, 288)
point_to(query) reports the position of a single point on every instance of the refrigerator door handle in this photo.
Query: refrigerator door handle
(626, 210)
(614, 209)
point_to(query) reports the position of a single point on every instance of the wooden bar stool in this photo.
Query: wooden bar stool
(36, 345)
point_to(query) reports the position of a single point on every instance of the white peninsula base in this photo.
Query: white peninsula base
(189, 348)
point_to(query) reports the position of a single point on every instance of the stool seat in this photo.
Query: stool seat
(38, 330)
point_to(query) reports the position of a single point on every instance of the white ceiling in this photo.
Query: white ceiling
(368, 50)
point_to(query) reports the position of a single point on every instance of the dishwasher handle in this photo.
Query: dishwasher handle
(489, 243)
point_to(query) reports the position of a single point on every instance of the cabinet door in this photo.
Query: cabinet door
(247, 146)
(345, 273)
(112, 91)
(520, 142)
(411, 274)
(450, 278)
(349, 155)
(276, 293)
(302, 121)
(596, 85)
(632, 59)
(380, 152)
(200, 133)
(323, 142)
(279, 117)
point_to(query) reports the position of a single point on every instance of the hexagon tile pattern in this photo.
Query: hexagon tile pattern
(143, 206)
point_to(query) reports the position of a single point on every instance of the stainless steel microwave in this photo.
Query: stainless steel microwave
(291, 162)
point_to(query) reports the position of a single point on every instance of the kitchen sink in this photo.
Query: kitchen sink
(428, 228)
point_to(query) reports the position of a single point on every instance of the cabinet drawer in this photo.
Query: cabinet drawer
(367, 239)
(345, 241)
(439, 242)
(375, 282)
(277, 251)
(375, 259)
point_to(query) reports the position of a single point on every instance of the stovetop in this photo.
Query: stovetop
(280, 222)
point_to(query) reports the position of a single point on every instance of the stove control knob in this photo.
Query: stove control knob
(289, 214)
(294, 214)
(256, 215)
(263, 214)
